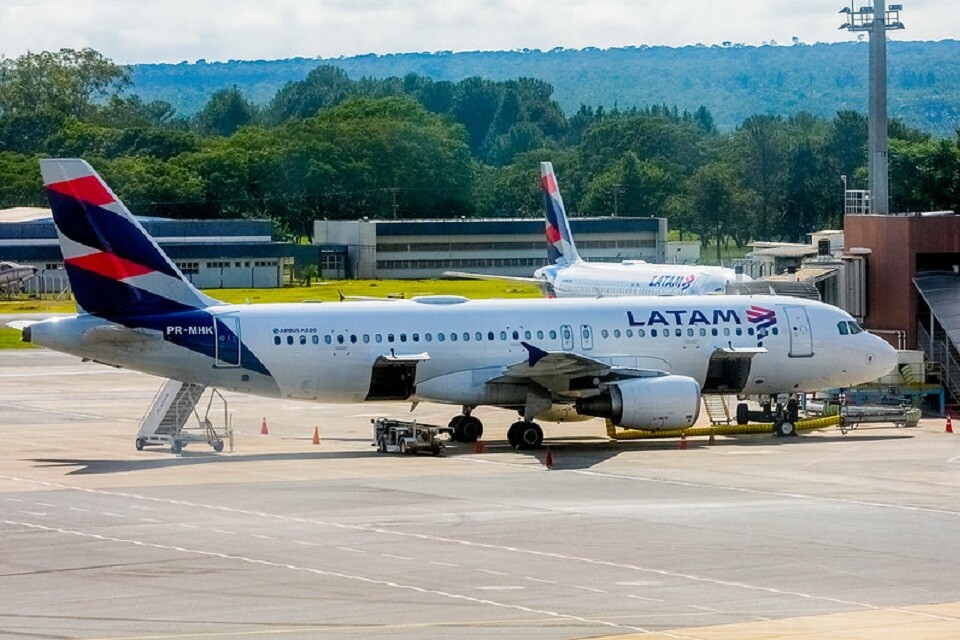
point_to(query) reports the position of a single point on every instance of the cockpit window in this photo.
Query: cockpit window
(849, 327)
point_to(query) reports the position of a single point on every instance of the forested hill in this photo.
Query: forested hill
(733, 82)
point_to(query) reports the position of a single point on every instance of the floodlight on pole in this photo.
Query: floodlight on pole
(874, 18)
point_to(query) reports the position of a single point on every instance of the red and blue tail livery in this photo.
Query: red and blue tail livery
(560, 247)
(115, 267)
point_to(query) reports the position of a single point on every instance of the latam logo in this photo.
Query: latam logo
(672, 282)
(763, 318)
(684, 317)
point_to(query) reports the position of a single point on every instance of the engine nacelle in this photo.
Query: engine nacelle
(665, 402)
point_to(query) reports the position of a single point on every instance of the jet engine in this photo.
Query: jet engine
(665, 402)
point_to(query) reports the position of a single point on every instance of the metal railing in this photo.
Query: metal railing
(939, 351)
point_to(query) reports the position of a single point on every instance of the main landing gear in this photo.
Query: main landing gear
(466, 428)
(525, 435)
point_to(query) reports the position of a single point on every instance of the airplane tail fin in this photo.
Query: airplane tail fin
(560, 247)
(115, 268)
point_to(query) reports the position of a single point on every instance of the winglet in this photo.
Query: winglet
(536, 354)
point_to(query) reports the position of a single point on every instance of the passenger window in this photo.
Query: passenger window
(653, 333)
(403, 337)
(289, 339)
(629, 333)
(527, 335)
(277, 340)
(750, 331)
(678, 332)
(490, 335)
(641, 333)
(428, 337)
(340, 339)
(441, 338)
(605, 333)
(389, 337)
(303, 339)
(540, 334)
(416, 337)
(327, 339)
(315, 339)
(739, 331)
(713, 331)
(366, 338)
(453, 336)
(726, 331)
(503, 335)
(379, 338)
(516, 335)
(690, 332)
(703, 331)
(775, 331)
(616, 333)
(353, 338)
(553, 334)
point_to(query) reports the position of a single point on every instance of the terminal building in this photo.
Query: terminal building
(514, 247)
(212, 254)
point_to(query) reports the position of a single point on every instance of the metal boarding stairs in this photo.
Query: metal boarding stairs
(165, 423)
(938, 352)
(717, 408)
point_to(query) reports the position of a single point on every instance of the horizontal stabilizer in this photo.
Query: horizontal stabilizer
(121, 336)
(487, 276)
(20, 325)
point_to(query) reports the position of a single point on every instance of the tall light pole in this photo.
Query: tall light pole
(874, 18)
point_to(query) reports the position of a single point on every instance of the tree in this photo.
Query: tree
(224, 113)
(762, 151)
(66, 83)
(717, 201)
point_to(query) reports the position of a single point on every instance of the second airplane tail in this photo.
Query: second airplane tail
(560, 247)
(115, 268)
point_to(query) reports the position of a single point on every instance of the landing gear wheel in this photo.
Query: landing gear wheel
(783, 428)
(513, 434)
(176, 446)
(469, 429)
(530, 436)
(218, 445)
(743, 413)
(455, 422)
(140, 444)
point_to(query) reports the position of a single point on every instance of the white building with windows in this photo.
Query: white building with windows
(501, 246)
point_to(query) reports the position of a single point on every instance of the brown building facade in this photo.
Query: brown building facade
(900, 246)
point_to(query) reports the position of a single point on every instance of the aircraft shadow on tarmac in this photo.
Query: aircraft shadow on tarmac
(165, 460)
(563, 454)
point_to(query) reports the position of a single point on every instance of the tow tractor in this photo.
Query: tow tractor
(399, 436)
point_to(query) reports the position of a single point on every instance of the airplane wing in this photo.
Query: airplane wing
(487, 276)
(567, 373)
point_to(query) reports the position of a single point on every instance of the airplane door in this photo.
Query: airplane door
(566, 337)
(226, 341)
(801, 337)
(586, 337)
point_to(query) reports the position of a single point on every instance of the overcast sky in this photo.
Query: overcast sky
(132, 31)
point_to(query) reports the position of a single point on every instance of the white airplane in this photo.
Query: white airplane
(12, 275)
(641, 362)
(568, 275)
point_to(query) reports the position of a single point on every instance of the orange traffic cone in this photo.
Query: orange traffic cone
(263, 428)
(712, 440)
(316, 435)
(683, 441)
(479, 446)
(548, 460)
(949, 428)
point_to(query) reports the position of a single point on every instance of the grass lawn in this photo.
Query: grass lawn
(325, 291)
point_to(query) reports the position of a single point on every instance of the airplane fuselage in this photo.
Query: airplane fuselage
(587, 279)
(326, 352)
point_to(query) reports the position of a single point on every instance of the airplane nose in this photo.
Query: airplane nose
(883, 358)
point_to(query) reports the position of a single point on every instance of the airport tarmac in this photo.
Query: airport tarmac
(822, 536)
